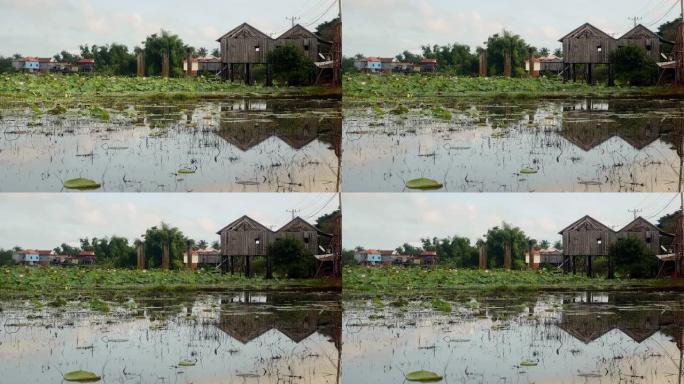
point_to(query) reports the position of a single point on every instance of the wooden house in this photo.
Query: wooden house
(248, 46)
(586, 238)
(644, 231)
(246, 238)
(645, 39)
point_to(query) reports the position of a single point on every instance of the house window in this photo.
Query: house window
(648, 47)
(306, 238)
(257, 241)
(306, 47)
(257, 48)
(599, 49)
(649, 240)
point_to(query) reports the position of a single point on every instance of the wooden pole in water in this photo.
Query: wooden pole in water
(483, 64)
(189, 62)
(141, 64)
(508, 65)
(483, 257)
(248, 266)
(165, 64)
(141, 256)
(189, 264)
(508, 260)
(165, 256)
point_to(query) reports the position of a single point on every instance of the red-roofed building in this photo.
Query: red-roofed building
(86, 65)
(429, 257)
(428, 65)
(86, 257)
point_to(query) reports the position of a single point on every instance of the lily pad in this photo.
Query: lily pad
(82, 184)
(186, 171)
(528, 363)
(424, 184)
(186, 363)
(528, 171)
(423, 377)
(81, 377)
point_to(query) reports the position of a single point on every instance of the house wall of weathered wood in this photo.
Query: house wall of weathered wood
(589, 45)
(643, 231)
(594, 50)
(242, 51)
(643, 38)
(246, 237)
(582, 238)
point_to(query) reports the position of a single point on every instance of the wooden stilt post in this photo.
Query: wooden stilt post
(573, 71)
(508, 64)
(231, 72)
(165, 64)
(483, 257)
(269, 75)
(248, 74)
(611, 75)
(531, 51)
(483, 64)
(508, 260)
(590, 74)
(248, 266)
(232, 265)
(611, 270)
(141, 64)
(141, 256)
(165, 257)
(269, 267)
(190, 265)
(189, 60)
(590, 270)
(574, 265)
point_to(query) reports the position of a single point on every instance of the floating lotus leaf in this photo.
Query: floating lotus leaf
(528, 171)
(81, 183)
(81, 377)
(423, 377)
(186, 171)
(528, 363)
(186, 363)
(424, 184)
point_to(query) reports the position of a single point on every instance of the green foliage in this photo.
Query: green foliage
(456, 59)
(165, 41)
(6, 257)
(498, 44)
(633, 66)
(290, 258)
(114, 59)
(155, 237)
(6, 64)
(49, 87)
(632, 258)
(326, 30)
(290, 65)
(384, 88)
(668, 31)
(456, 252)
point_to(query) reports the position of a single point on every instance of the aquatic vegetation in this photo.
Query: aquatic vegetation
(441, 113)
(99, 113)
(441, 305)
(399, 281)
(423, 377)
(528, 171)
(81, 377)
(187, 363)
(424, 184)
(81, 184)
(369, 86)
(528, 363)
(401, 109)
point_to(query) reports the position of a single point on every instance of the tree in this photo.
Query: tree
(558, 52)
(6, 64)
(156, 44)
(6, 256)
(327, 30)
(632, 258)
(498, 44)
(66, 57)
(216, 52)
(408, 57)
(348, 257)
(633, 66)
(668, 31)
(216, 245)
(409, 250)
(455, 58)
(67, 250)
(202, 52)
(202, 244)
(290, 65)
(558, 245)
(545, 244)
(544, 52)
(348, 65)
(497, 237)
(290, 258)
(155, 237)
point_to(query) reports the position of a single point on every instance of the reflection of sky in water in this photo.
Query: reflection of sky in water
(380, 346)
(143, 151)
(573, 146)
(128, 349)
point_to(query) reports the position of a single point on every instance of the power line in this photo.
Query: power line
(635, 19)
(334, 3)
(292, 19)
(677, 2)
(666, 207)
(294, 212)
(323, 207)
(636, 212)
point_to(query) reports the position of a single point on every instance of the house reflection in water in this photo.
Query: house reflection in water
(247, 124)
(246, 317)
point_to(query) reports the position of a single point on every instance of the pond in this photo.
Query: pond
(227, 337)
(620, 145)
(588, 337)
(279, 145)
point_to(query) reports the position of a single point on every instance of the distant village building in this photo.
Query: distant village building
(86, 65)
(546, 65)
(428, 65)
(537, 258)
(86, 258)
(199, 258)
(429, 258)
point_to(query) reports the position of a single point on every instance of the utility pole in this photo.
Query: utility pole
(294, 212)
(636, 212)
(635, 19)
(293, 19)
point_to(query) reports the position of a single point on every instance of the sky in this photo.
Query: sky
(387, 221)
(388, 27)
(45, 221)
(46, 27)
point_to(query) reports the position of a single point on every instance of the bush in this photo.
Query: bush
(632, 258)
(291, 65)
(290, 258)
(633, 66)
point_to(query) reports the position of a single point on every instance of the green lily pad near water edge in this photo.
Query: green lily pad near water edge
(81, 377)
(424, 377)
(81, 184)
(424, 184)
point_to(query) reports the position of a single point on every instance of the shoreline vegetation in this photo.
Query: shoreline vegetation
(401, 281)
(377, 88)
(59, 281)
(80, 87)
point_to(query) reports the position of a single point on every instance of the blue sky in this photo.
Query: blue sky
(388, 27)
(45, 27)
(37, 220)
(386, 221)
